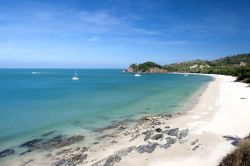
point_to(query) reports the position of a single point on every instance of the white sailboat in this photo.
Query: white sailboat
(137, 74)
(75, 77)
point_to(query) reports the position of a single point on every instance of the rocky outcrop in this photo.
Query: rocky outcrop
(183, 133)
(32, 143)
(72, 157)
(149, 148)
(53, 143)
(173, 132)
(7, 152)
(115, 158)
(72, 161)
(130, 70)
(157, 136)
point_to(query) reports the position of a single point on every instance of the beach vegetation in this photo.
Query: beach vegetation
(144, 67)
(240, 156)
(235, 65)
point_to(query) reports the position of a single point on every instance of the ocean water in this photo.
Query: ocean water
(36, 101)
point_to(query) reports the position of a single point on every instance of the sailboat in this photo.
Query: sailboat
(137, 74)
(75, 77)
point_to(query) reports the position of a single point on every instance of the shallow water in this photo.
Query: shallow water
(36, 101)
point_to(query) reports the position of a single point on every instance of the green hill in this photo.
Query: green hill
(236, 65)
(146, 67)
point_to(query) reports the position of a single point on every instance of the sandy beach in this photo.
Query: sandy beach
(221, 110)
(202, 134)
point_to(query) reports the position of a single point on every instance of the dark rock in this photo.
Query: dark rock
(149, 148)
(52, 143)
(59, 141)
(167, 116)
(112, 160)
(72, 161)
(113, 126)
(62, 162)
(104, 137)
(7, 152)
(170, 140)
(194, 142)
(173, 132)
(27, 151)
(165, 146)
(147, 118)
(233, 139)
(183, 133)
(157, 137)
(181, 141)
(73, 139)
(83, 149)
(76, 122)
(148, 135)
(125, 152)
(94, 143)
(196, 147)
(115, 158)
(48, 155)
(156, 122)
(48, 133)
(114, 141)
(78, 159)
(137, 135)
(32, 143)
(56, 142)
(63, 151)
(122, 127)
(27, 162)
(158, 130)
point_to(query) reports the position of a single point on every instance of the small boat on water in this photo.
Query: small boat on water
(137, 74)
(75, 77)
(185, 75)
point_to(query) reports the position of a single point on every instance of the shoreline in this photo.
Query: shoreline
(204, 141)
(191, 136)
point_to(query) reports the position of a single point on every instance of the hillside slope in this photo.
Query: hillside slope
(236, 65)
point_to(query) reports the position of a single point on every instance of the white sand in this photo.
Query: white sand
(220, 111)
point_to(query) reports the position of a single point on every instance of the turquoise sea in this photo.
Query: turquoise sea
(36, 101)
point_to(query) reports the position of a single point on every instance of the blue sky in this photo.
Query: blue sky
(116, 33)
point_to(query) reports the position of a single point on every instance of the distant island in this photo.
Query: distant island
(236, 65)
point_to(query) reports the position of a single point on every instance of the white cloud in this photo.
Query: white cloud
(99, 18)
